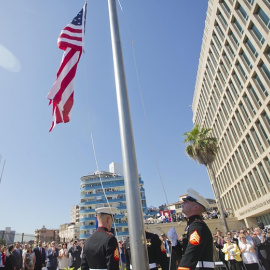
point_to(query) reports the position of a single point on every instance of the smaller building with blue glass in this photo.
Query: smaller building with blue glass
(102, 189)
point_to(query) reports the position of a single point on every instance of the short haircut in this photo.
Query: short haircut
(10, 247)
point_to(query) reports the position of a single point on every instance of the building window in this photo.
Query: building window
(220, 31)
(234, 90)
(257, 34)
(239, 198)
(251, 190)
(264, 175)
(245, 191)
(230, 96)
(266, 120)
(230, 142)
(240, 119)
(226, 7)
(227, 60)
(237, 80)
(234, 39)
(251, 2)
(251, 48)
(257, 140)
(222, 77)
(217, 40)
(213, 58)
(252, 146)
(246, 60)
(264, 18)
(259, 180)
(239, 161)
(233, 169)
(238, 130)
(249, 105)
(260, 85)
(267, 53)
(222, 19)
(236, 165)
(242, 154)
(244, 111)
(243, 195)
(248, 154)
(254, 96)
(254, 184)
(241, 70)
(233, 131)
(224, 69)
(262, 132)
(243, 12)
(215, 50)
(230, 50)
(265, 71)
(238, 26)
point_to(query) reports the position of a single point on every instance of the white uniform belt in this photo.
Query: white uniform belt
(205, 264)
(151, 265)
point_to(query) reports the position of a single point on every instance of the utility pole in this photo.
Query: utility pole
(22, 237)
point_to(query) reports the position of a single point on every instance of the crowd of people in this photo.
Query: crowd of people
(181, 217)
(46, 255)
(244, 249)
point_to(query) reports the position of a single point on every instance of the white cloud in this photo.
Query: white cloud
(8, 61)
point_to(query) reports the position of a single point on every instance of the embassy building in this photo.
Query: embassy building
(232, 97)
(93, 187)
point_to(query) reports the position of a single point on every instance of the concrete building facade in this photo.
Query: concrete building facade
(46, 235)
(232, 97)
(93, 187)
(69, 231)
(75, 214)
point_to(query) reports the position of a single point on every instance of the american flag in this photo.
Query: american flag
(61, 96)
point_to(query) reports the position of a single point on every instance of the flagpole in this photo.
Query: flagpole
(139, 257)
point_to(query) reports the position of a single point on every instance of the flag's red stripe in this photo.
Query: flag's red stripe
(67, 58)
(67, 28)
(70, 37)
(63, 45)
(67, 108)
(65, 82)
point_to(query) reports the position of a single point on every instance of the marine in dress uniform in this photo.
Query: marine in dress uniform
(101, 248)
(198, 240)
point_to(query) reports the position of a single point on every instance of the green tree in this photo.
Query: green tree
(203, 148)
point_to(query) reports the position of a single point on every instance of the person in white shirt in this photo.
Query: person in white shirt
(24, 251)
(248, 254)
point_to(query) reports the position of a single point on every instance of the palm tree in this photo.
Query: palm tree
(203, 148)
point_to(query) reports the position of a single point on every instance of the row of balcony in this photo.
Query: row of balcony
(103, 200)
(84, 195)
(105, 185)
(118, 207)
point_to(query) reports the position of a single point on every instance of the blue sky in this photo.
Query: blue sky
(41, 180)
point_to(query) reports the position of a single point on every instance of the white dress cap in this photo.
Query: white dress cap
(193, 195)
(106, 210)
